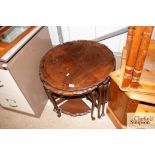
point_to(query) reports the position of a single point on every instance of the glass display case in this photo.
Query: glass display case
(12, 33)
(12, 38)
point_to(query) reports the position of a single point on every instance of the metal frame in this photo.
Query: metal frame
(107, 36)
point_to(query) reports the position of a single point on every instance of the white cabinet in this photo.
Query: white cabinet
(16, 102)
(10, 95)
(7, 82)
(21, 89)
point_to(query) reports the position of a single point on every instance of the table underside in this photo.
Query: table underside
(75, 106)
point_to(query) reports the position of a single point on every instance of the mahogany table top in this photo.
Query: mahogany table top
(76, 67)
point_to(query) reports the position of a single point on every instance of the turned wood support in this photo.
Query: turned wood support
(127, 47)
(141, 56)
(129, 38)
(132, 56)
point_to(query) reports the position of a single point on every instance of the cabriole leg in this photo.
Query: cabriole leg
(100, 99)
(105, 93)
(92, 95)
(56, 108)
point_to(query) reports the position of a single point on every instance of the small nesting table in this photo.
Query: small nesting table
(74, 70)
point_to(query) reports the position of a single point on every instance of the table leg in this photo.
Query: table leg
(93, 98)
(56, 108)
(105, 94)
(100, 99)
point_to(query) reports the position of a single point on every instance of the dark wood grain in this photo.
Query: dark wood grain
(76, 67)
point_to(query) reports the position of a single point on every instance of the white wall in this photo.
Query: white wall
(53, 35)
(90, 32)
(116, 43)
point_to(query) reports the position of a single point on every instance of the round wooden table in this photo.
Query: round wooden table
(76, 69)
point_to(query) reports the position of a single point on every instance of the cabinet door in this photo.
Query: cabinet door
(24, 67)
(10, 95)
(7, 83)
(15, 102)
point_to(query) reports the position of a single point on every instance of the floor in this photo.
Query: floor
(49, 119)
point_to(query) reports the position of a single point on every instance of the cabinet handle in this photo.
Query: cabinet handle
(12, 103)
(1, 85)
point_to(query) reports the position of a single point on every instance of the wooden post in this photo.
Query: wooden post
(127, 48)
(129, 39)
(141, 56)
(132, 56)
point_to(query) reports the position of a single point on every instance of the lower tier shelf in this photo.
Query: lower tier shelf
(75, 107)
